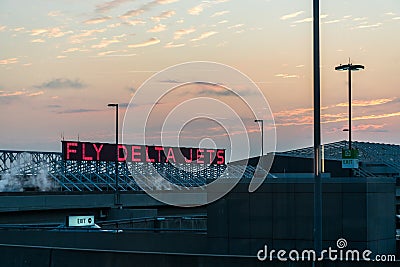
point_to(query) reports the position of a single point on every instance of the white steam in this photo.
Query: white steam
(25, 174)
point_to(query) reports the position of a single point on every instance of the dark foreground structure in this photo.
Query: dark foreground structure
(39, 189)
(278, 215)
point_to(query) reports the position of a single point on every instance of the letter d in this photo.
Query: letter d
(260, 252)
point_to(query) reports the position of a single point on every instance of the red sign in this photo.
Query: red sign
(87, 151)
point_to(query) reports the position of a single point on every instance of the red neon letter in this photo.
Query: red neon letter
(191, 157)
(70, 150)
(221, 157)
(211, 151)
(84, 157)
(200, 156)
(135, 153)
(159, 149)
(125, 153)
(147, 155)
(170, 155)
(98, 150)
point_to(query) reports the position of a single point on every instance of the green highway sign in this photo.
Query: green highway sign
(349, 153)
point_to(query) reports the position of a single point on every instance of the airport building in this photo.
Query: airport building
(359, 206)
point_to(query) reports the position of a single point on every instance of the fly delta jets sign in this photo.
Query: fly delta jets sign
(87, 151)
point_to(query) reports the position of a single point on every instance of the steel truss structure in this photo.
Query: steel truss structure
(385, 154)
(46, 171)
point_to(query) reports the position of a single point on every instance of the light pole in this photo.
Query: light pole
(262, 136)
(117, 198)
(317, 132)
(349, 67)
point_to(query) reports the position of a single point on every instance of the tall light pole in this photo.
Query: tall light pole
(262, 136)
(117, 197)
(317, 132)
(349, 67)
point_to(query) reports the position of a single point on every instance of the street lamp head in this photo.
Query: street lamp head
(357, 67)
(258, 120)
(349, 67)
(112, 105)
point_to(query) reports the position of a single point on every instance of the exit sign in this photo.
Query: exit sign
(350, 163)
(350, 158)
(80, 220)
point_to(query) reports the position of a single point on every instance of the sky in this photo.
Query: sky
(62, 62)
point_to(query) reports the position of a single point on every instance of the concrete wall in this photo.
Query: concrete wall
(53, 257)
(11, 202)
(280, 215)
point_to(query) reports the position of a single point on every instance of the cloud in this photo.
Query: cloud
(132, 13)
(36, 93)
(286, 76)
(105, 43)
(304, 20)
(61, 83)
(164, 2)
(360, 19)
(291, 15)
(209, 92)
(38, 41)
(55, 13)
(378, 116)
(333, 21)
(158, 28)
(2, 28)
(151, 41)
(132, 89)
(170, 81)
(97, 20)
(12, 93)
(114, 25)
(179, 33)
(196, 10)
(79, 110)
(127, 105)
(112, 54)
(172, 45)
(134, 22)
(8, 96)
(220, 13)
(303, 116)
(107, 6)
(72, 49)
(146, 7)
(365, 103)
(369, 26)
(36, 32)
(8, 61)
(204, 36)
(236, 26)
(163, 15)
(55, 32)
(80, 38)
(369, 128)
(54, 106)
